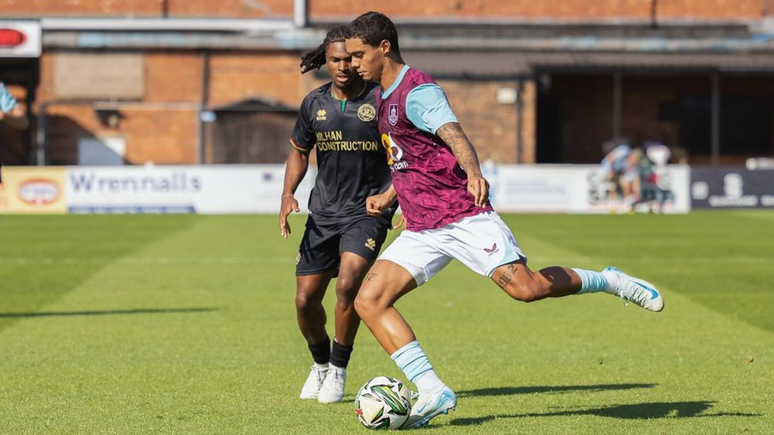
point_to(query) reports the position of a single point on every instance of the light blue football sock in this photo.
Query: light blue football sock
(413, 362)
(591, 282)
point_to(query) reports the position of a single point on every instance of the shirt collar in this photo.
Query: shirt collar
(395, 84)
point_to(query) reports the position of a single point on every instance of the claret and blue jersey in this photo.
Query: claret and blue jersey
(431, 185)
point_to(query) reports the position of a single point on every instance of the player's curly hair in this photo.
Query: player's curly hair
(316, 58)
(373, 28)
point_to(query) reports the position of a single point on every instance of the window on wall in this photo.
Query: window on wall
(745, 124)
(99, 76)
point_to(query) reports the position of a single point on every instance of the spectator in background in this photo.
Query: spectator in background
(636, 171)
(11, 113)
(658, 187)
(617, 152)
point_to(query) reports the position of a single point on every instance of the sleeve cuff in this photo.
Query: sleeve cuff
(296, 146)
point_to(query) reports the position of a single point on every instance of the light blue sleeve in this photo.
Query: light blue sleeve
(7, 101)
(428, 109)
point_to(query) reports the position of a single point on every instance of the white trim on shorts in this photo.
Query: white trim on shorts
(482, 243)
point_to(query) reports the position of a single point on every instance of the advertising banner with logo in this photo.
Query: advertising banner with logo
(732, 187)
(180, 189)
(20, 39)
(33, 190)
(572, 189)
(222, 189)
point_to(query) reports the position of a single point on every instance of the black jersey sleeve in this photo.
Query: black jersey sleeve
(303, 138)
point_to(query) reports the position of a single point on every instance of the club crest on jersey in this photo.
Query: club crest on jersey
(366, 112)
(393, 117)
(321, 114)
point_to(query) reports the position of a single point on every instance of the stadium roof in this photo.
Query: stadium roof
(473, 48)
(493, 64)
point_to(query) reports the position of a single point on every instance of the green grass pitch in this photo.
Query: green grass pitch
(186, 325)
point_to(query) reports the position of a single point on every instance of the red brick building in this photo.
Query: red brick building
(530, 81)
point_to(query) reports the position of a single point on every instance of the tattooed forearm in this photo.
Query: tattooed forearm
(463, 150)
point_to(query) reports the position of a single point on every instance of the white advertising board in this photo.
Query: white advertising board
(223, 189)
(569, 188)
(180, 189)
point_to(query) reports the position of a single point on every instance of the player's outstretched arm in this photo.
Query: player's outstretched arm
(466, 156)
(295, 169)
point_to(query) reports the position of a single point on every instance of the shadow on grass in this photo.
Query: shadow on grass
(509, 391)
(107, 312)
(639, 411)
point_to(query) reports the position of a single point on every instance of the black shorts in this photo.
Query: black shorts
(324, 242)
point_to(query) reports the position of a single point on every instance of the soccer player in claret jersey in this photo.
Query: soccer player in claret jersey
(339, 120)
(437, 178)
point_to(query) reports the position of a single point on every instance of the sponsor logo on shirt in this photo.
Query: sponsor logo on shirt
(394, 153)
(334, 141)
(492, 250)
(370, 244)
(366, 112)
(393, 117)
(321, 114)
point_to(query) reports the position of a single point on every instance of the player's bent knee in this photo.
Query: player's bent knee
(346, 288)
(363, 306)
(368, 303)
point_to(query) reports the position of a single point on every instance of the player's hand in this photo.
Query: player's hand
(289, 204)
(479, 188)
(375, 205)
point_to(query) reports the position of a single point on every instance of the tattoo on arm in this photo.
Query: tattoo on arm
(507, 276)
(463, 150)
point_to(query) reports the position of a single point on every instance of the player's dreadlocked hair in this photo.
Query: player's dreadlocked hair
(316, 58)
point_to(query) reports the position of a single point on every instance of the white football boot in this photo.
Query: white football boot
(333, 387)
(429, 406)
(637, 291)
(314, 382)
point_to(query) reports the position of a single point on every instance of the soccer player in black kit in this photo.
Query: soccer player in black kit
(341, 239)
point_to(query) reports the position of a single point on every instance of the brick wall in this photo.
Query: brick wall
(564, 9)
(238, 75)
(490, 126)
(148, 8)
(173, 76)
(557, 9)
(162, 127)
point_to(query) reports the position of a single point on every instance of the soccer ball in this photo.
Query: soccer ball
(383, 403)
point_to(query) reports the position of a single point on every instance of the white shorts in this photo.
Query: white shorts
(482, 243)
